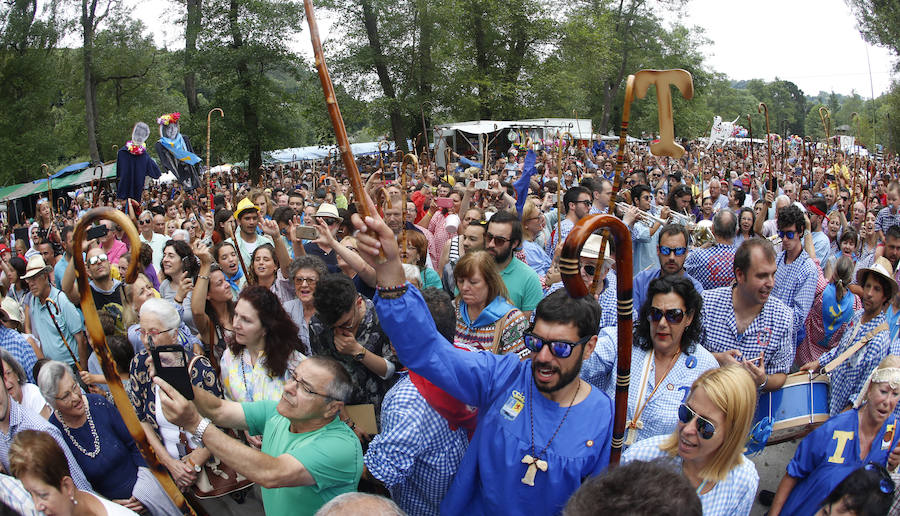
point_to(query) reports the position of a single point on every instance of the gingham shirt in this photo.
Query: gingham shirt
(416, 454)
(772, 332)
(565, 227)
(15, 343)
(886, 219)
(795, 285)
(713, 266)
(660, 416)
(848, 378)
(731, 497)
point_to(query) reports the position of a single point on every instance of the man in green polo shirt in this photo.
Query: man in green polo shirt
(503, 236)
(308, 454)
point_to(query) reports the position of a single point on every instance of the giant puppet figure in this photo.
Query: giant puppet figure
(175, 152)
(134, 164)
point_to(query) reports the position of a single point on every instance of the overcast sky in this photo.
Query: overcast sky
(813, 43)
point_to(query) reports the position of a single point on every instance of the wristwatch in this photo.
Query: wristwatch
(197, 436)
(360, 356)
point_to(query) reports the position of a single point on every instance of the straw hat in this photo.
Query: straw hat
(328, 210)
(12, 309)
(36, 265)
(592, 248)
(882, 267)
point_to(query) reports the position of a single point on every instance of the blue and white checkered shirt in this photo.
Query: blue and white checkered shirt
(795, 285)
(848, 378)
(416, 454)
(886, 219)
(15, 343)
(609, 300)
(771, 333)
(660, 416)
(14, 495)
(21, 418)
(565, 227)
(732, 496)
(713, 266)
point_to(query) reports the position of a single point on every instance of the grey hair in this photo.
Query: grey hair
(725, 224)
(313, 263)
(181, 234)
(341, 386)
(782, 199)
(163, 310)
(15, 365)
(360, 503)
(48, 380)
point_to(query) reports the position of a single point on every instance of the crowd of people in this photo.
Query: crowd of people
(427, 358)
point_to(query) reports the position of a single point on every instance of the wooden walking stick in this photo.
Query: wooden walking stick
(752, 148)
(414, 161)
(855, 115)
(98, 341)
(825, 115)
(51, 307)
(208, 151)
(763, 108)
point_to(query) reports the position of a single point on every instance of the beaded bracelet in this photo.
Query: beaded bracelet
(392, 292)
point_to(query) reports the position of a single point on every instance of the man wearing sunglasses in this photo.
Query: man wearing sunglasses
(502, 238)
(672, 252)
(155, 240)
(576, 204)
(797, 274)
(745, 324)
(106, 291)
(713, 266)
(541, 429)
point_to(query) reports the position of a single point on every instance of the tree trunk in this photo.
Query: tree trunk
(248, 110)
(485, 108)
(191, 30)
(88, 8)
(398, 129)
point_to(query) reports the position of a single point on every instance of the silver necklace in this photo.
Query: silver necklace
(90, 421)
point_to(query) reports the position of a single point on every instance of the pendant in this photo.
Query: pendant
(534, 464)
(633, 428)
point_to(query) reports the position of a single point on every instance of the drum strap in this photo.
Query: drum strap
(849, 352)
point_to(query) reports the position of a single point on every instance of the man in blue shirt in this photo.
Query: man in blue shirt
(672, 252)
(62, 331)
(541, 429)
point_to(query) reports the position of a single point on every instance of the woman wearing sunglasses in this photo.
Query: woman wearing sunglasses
(665, 358)
(708, 444)
(850, 440)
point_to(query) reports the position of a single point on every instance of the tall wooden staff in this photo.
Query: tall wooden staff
(98, 341)
(763, 108)
(825, 115)
(752, 149)
(412, 159)
(855, 115)
(46, 169)
(559, 190)
(425, 133)
(208, 143)
(571, 253)
(802, 161)
(617, 178)
(783, 155)
(334, 112)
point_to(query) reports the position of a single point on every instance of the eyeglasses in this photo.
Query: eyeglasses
(93, 260)
(560, 348)
(673, 315)
(666, 250)
(589, 269)
(152, 333)
(328, 221)
(144, 221)
(499, 239)
(305, 387)
(704, 427)
(586, 202)
(885, 484)
(787, 234)
(308, 281)
(69, 396)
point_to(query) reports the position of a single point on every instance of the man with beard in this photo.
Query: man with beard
(672, 252)
(577, 203)
(503, 236)
(541, 430)
(106, 291)
(744, 324)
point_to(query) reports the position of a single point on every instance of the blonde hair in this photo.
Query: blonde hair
(529, 211)
(482, 262)
(731, 390)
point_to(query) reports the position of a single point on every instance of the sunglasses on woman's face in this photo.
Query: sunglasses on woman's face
(589, 269)
(673, 315)
(704, 427)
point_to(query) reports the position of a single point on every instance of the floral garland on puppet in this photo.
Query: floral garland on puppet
(136, 148)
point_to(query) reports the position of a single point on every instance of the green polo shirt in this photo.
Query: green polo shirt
(523, 284)
(331, 454)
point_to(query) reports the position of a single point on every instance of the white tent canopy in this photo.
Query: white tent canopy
(318, 152)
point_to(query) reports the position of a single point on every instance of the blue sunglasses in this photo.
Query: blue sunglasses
(560, 348)
(788, 234)
(666, 250)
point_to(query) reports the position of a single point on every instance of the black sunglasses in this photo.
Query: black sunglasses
(589, 269)
(666, 250)
(673, 315)
(704, 427)
(499, 239)
(560, 348)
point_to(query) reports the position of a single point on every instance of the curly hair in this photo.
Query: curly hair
(334, 296)
(189, 261)
(146, 255)
(281, 332)
(313, 263)
(693, 302)
(789, 216)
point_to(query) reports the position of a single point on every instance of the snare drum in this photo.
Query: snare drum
(796, 409)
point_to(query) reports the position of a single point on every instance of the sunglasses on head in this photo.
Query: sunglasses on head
(787, 234)
(666, 250)
(673, 315)
(704, 427)
(885, 484)
(559, 348)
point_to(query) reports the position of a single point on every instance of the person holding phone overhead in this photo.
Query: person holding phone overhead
(159, 322)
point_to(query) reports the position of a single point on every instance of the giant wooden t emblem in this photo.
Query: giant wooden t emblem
(682, 80)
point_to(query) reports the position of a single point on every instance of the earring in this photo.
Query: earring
(74, 501)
